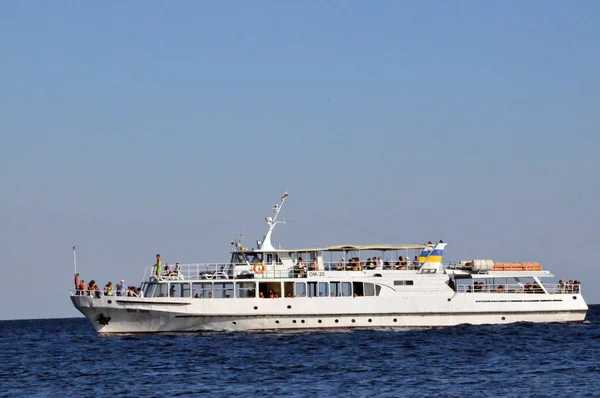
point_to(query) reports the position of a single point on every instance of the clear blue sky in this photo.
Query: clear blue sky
(139, 127)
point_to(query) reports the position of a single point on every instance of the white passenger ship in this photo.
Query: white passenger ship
(342, 286)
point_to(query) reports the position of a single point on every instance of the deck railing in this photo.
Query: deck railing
(243, 271)
(519, 288)
(212, 271)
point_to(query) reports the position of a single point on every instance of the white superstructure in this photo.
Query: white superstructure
(265, 288)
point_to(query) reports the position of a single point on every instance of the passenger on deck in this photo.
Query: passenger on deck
(76, 281)
(120, 288)
(561, 286)
(341, 265)
(110, 289)
(576, 286)
(158, 265)
(139, 292)
(90, 287)
(261, 295)
(379, 263)
(299, 269)
(314, 265)
(500, 289)
(81, 288)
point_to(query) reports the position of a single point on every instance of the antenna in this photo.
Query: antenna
(272, 222)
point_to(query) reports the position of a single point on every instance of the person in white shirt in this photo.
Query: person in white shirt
(379, 263)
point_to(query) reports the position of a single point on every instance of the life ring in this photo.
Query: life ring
(259, 268)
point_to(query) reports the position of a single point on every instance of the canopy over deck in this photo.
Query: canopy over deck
(459, 274)
(382, 247)
(339, 248)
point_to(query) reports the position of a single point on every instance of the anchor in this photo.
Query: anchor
(103, 320)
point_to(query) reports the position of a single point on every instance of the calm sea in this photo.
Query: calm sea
(64, 357)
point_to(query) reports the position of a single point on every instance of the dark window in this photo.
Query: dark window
(202, 290)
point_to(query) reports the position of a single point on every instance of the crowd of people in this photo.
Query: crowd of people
(92, 289)
(356, 264)
(569, 287)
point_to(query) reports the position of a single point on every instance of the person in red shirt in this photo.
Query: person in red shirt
(81, 288)
(76, 281)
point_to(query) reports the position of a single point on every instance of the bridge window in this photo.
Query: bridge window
(336, 288)
(288, 289)
(223, 290)
(300, 289)
(161, 290)
(323, 289)
(245, 289)
(202, 290)
(346, 289)
(369, 289)
(179, 290)
(185, 290)
(403, 283)
(358, 288)
(149, 289)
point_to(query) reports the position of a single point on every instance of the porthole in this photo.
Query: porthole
(370, 320)
(109, 301)
(353, 320)
(503, 318)
(574, 297)
(234, 322)
(294, 321)
(302, 321)
(320, 321)
(395, 320)
(289, 307)
(336, 321)
(255, 308)
(276, 321)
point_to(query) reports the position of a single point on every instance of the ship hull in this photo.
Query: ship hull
(127, 315)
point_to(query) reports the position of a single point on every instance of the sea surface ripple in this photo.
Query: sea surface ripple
(65, 357)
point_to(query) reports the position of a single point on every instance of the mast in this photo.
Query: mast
(266, 244)
(74, 260)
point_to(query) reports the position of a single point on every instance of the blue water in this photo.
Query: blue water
(65, 357)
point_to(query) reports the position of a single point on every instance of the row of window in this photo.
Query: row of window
(265, 289)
